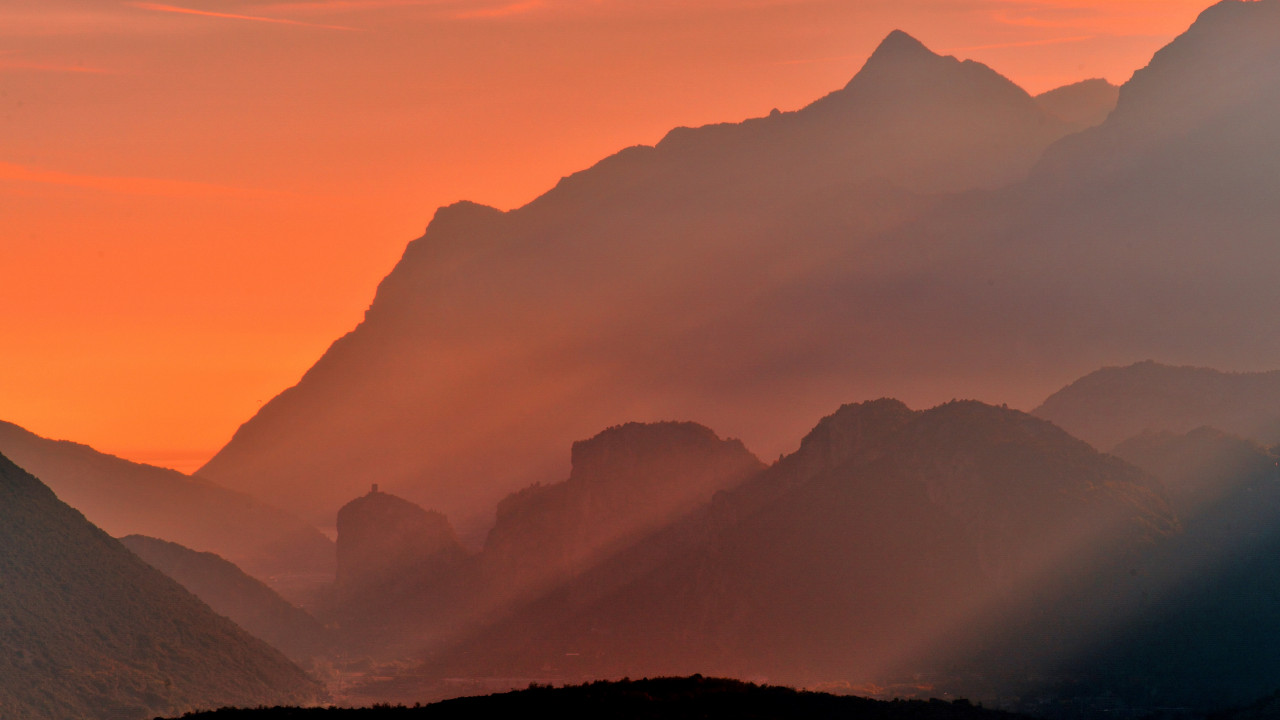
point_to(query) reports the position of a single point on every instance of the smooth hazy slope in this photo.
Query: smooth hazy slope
(1084, 104)
(91, 631)
(228, 591)
(126, 498)
(657, 284)
(892, 543)
(1114, 404)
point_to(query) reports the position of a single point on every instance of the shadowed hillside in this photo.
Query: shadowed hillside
(1215, 588)
(126, 498)
(91, 631)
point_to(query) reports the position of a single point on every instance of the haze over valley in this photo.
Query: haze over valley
(932, 387)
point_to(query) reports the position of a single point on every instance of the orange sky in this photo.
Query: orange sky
(196, 198)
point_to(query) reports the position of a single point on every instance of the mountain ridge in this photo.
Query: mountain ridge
(661, 243)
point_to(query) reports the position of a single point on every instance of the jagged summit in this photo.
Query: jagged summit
(903, 73)
(899, 45)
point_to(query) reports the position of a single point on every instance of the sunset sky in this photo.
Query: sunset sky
(197, 198)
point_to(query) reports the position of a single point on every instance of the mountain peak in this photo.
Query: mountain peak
(898, 44)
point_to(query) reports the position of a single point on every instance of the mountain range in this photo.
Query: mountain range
(659, 283)
(930, 231)
(892, 539)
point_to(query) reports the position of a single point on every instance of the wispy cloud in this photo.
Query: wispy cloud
(8, 65)
(829, 58)
(517, 8)
(10, 172)
(1022, 44)
(349, 5)
(234, 16)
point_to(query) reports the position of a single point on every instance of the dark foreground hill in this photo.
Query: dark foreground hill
(692, 698)
(88, 630)
(232, 593)
(127, 498)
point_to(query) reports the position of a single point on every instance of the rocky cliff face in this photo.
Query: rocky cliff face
(626, 481)
(389, 548)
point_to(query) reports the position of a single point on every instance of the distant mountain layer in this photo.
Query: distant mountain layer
(228, 591)
(126, 498)
(91, 631)
(1083, 105)
(656, 699)
(391, 551)
(929, 229)
(625, 483)
(892, 539)
(1114, 404)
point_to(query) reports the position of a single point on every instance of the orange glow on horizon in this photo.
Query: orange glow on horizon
(198, 199)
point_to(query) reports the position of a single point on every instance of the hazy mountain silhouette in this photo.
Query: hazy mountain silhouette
(389, 551)
(1116, 403)
(405, 583)
(659, 283)
(1083, 105)
(228, 591)
(91, 631)
(626, 482)
(1143, 237)
(892, 538)
(126, 498)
